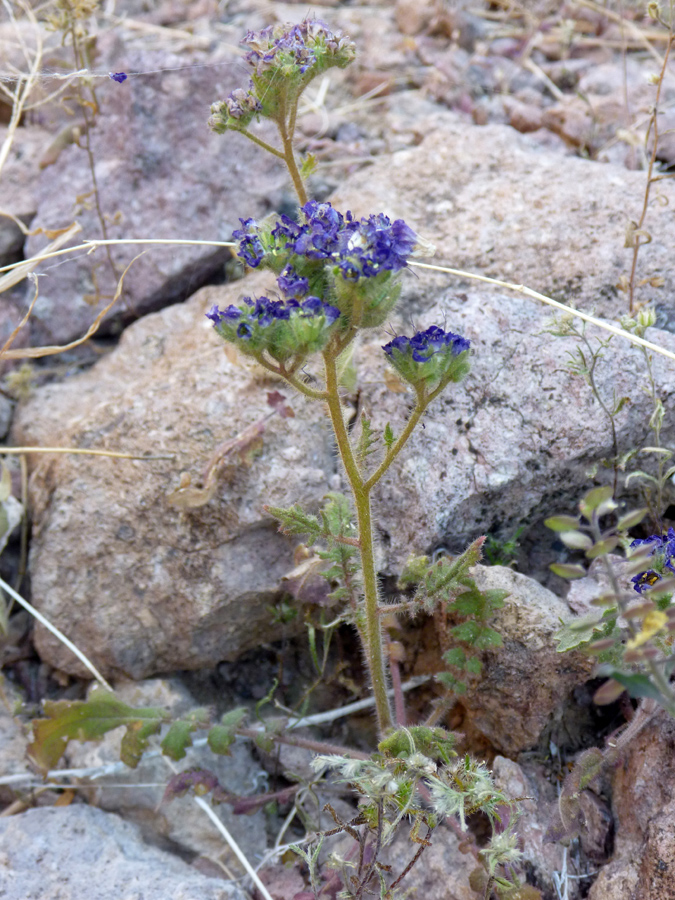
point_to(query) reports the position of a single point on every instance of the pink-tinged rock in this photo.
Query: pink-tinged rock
(505, 707)
(643, 787)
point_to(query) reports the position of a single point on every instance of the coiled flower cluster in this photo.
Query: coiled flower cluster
(283, 59)
(359, 249)
(431, 358)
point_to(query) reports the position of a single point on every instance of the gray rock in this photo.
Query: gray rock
(78, 852)
(494, 203)
(161, 174)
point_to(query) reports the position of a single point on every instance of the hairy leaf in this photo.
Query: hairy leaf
(295, 520)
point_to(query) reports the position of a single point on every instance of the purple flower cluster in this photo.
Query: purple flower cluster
(360, 249)
(265, 311)
(425, 344)
(297, 45)
(663, 547)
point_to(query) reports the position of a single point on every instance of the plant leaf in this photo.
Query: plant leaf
(89, 720)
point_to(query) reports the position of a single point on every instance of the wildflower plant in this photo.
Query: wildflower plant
(336, 275)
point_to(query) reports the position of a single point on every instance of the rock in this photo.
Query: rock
(179, 822)
(643, 783)
(583, 590)
(78, 851)
(413, 16)
(161, 174)
(443, 870)
(494, 203)
(509, 710)
(141, 586)
(537, 809)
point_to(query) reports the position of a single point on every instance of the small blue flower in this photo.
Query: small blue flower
(119, 77)
(292, 284)
(250, 246)
(663, 548)
(425, 344)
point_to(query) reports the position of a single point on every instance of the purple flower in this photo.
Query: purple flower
(292, 284)
(663, 548)
(425, 344)
(119, 77)
(298, 46)
(250, 247)
(240, 104)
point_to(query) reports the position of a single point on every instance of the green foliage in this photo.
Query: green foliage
(179, 735)
(631, 637)
(338, 522)
(502, 553)
(368, 440)
(221, 737)
(295, 521)
(88, 720)
(441, 581)
(436, 743)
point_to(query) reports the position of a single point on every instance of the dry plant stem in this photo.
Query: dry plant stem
(38, 352)
(373, 648)
(82, 62)
(324, 747)
(650, 169)
(55, 631)
(549, 301)
(234, 847)
(80, 451)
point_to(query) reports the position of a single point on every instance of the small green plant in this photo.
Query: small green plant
(631, 634)
(502, 552)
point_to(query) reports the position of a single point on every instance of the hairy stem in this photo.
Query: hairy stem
(265, 146)
(400, 442)
(289, 159)
(373, 633)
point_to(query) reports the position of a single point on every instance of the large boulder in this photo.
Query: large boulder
(78, 851)
(140, 585)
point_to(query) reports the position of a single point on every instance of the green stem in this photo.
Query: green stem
(373, 634)
(418, 411)
(292, 379)
(289, 158)
(263, 144)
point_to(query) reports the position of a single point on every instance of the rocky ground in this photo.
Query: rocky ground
(514, 137)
